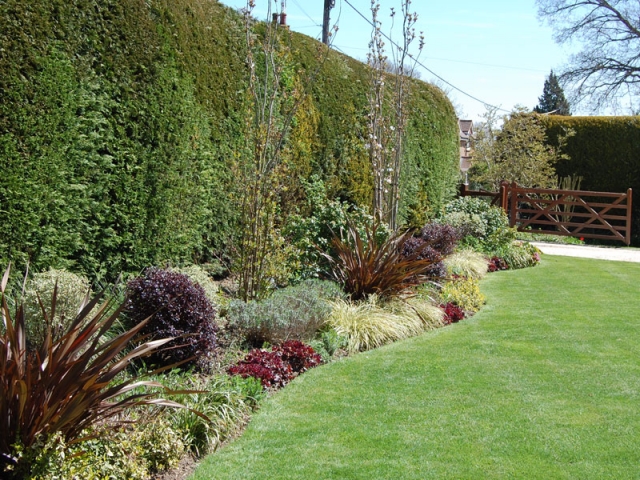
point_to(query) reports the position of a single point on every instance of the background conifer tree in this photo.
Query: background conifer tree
(553, 99)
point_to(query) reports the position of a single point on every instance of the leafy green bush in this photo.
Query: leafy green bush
(484, 228)
(463, 292)
(328, 344)
(135, 451)
(200, 276)
(373, 323)
(111, 454)
(177, 307)
(72, 292)
(466, 263)
(312, 232)
(296, 312)
(520, 254)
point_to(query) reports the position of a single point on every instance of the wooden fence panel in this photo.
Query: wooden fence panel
(575, 213)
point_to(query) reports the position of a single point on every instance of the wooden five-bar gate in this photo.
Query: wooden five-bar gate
(574, 213)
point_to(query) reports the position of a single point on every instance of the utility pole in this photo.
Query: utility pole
(328, 5)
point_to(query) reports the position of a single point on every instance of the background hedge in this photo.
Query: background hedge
(120, 122)
(606, 152)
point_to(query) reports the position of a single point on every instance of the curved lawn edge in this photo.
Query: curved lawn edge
(538, 384)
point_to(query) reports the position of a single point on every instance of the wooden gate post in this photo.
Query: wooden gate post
(627, 238)
(514, 204)
(504, 196)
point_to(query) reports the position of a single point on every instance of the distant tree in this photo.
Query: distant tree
(516, 152)
(553, 99)
(608, 66)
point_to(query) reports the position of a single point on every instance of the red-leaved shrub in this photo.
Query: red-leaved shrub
(266, 366)
(497, 263)
(452, 313)
(300, 356)
(279, 366)
(178, 308)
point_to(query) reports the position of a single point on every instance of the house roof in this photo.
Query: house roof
(466, 128)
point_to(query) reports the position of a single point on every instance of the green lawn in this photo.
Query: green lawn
(543, 383)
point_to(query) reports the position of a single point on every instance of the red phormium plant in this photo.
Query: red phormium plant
(65, 385)
(374, 267)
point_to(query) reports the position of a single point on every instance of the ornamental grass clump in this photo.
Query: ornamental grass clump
(178, 307)
(66, 385)
(372, 323)
(373, 267)
(467, 263)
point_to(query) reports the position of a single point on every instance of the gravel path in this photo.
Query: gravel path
(602, 253)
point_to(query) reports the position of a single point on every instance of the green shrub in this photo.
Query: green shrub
(466, 263)
(72, 292)
(312, 232)
(160, 444)
(484, 228)
(520, 255)
(133, 452)
(373, 323)
(225, 401)
(296, 313)
(463, 292)
(109, 455)
(201, 276)
(328, 344)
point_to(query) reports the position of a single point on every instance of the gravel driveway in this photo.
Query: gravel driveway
(602, 253)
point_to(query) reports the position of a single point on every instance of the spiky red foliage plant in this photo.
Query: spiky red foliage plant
(65, 385)
(367, 267)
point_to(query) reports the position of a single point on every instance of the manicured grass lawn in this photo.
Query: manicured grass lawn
(543, 383)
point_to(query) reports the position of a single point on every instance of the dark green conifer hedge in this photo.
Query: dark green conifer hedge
(120, 121)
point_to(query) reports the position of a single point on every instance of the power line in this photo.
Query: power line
(308, 16)
(424, 66)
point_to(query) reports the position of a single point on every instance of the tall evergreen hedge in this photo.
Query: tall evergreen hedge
(120, 121)
(605, 151)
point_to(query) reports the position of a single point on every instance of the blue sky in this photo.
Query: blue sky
(496, 50)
